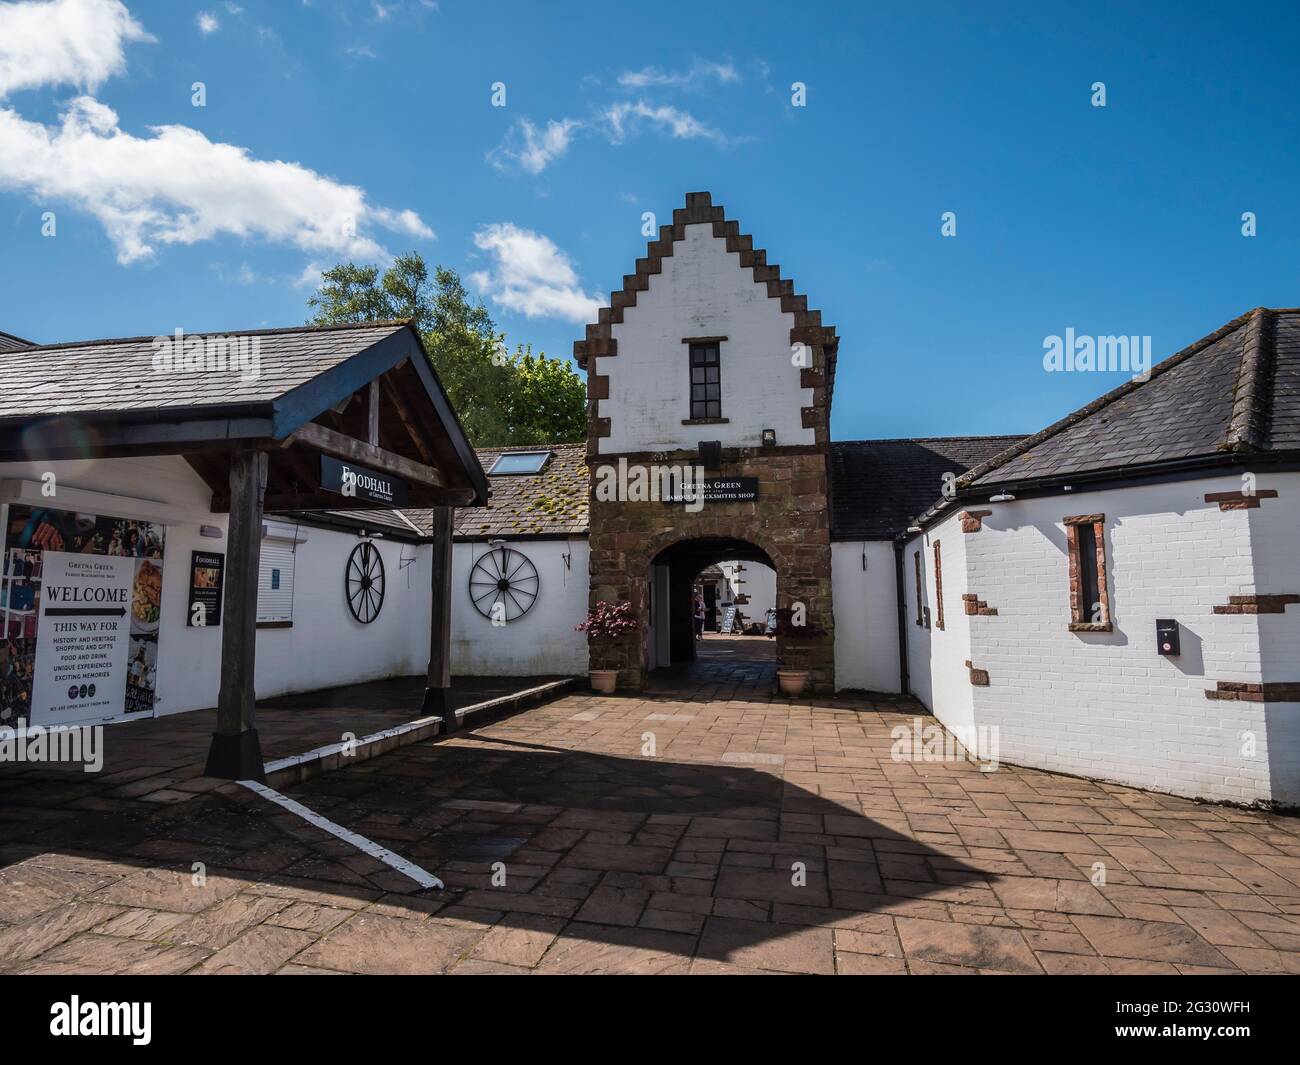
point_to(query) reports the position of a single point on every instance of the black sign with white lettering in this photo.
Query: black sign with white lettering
(357, 482)
(718, 490)
(207, 577)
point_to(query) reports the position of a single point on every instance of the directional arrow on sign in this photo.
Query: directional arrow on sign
(83, 612)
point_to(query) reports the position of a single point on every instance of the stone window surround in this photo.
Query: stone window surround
(920, 603)
(938, 586)
(1080, 617)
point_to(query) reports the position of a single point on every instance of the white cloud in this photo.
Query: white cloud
(700, 71)
(534, 149)
(530, 275)
(207, 22)
(64, 42)
(622, 119)
(178, 187)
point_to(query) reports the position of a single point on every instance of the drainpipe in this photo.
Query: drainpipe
(903, 679)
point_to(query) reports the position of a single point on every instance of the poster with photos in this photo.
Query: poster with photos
(115, 684)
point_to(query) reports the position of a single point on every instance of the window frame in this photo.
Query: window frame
(920, 599)
(938, 586)
(544, 454)
(1081, 568)
(704, 409)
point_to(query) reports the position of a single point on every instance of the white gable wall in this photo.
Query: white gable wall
(702, 291)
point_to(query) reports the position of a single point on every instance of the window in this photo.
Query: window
(938, 585)
(519, 462)
(275, 583)
(706, 383)
(1089, 602)
(920, 603)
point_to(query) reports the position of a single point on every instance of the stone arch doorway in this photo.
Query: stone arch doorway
(669, 632)
(623, 572)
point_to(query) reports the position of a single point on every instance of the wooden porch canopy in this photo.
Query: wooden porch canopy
(268, 419)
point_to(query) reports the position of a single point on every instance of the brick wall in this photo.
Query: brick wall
(790, 522)
(1106, 704)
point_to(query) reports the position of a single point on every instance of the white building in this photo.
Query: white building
(1117, 596)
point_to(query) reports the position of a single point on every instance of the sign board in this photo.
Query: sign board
(361, 483)
(721, 490)
(207, 578)
(728, 619)
(83, 637)
(80, 608)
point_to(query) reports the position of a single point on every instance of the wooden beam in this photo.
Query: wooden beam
(372, 434)
(409, 420)
(347, 447)
(437, 690)
(235, 753)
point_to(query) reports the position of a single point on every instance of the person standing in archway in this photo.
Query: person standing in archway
(699, 616)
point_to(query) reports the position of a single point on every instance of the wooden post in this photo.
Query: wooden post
(436, 692)
(236, 753)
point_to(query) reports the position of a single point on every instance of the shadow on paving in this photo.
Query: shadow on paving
(597, 840)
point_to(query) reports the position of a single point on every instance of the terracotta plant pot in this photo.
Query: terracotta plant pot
(604, 681)
(791, 681)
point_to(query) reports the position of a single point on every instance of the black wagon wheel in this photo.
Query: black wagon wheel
(503, 585)
(363, 581)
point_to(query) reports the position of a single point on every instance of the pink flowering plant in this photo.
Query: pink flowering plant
(608, 622)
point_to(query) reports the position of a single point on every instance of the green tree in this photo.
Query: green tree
(501, 399)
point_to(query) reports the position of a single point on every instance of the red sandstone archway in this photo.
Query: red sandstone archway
(797, 582)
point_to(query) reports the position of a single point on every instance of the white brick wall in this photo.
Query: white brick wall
(702, 291)
(1107, 705)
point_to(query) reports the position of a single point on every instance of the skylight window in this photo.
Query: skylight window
(519, 462)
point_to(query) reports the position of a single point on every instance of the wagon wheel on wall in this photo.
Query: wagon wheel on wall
(503, 585)
(363, 580)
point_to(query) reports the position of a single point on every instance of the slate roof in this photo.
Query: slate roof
(551, 503)
(1234, 391)
(9, 342)
(118, 376)
(879, 486)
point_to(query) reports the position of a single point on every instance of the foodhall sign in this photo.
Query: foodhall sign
(357, 482)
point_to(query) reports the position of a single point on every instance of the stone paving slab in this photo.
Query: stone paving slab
(609, 835)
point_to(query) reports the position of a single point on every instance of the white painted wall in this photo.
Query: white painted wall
(866, 616)
(325, 646)
(753, 579)
(543, 641)
(1107, 705)
(936, 660)
(702, 291)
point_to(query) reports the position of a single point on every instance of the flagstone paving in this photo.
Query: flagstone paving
(704, 826)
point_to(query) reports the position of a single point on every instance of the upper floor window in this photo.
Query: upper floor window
(706, 384)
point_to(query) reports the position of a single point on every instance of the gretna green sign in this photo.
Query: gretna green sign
(717, 490)
(357, 482)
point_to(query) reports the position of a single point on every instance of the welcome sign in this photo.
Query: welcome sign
(83, 637)
(80, 610)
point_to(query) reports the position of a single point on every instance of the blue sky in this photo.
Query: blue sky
(1117, 220)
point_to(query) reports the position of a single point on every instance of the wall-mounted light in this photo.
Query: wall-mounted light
(914, 528)
(1002, 497)
(211, 531)
(769, 438)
